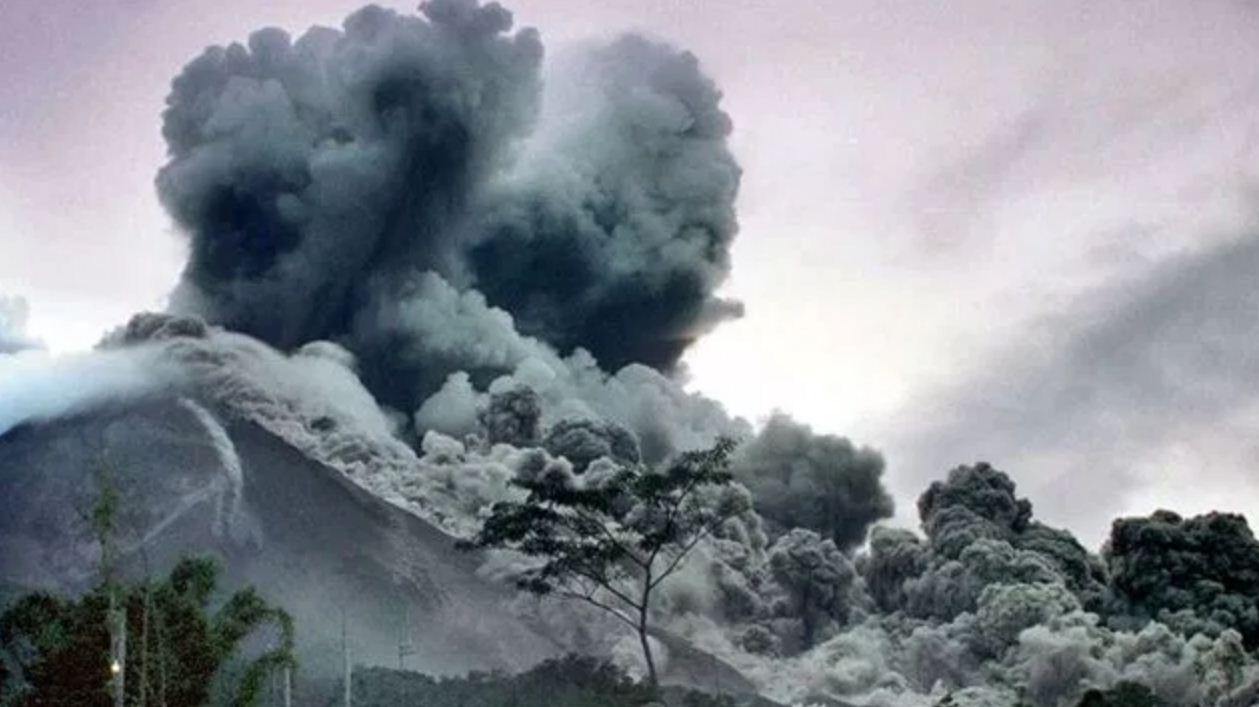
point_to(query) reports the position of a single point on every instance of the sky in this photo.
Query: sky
(1022, 232)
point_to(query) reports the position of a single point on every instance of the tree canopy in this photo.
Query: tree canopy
(611, 536)
(55, 650)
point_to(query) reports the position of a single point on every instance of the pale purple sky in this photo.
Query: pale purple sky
(970, 229)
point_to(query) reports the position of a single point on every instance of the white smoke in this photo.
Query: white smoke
(14, 313)
(37, 386)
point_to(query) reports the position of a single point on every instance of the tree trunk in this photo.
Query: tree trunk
(652, 680)
(118, 649)
(349, 670)
(144, 648)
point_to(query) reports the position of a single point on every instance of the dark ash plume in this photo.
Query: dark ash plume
(816, 578)
(979, 533)
(1196, 574)
(336, 185)
(309, 173)
(614, 236)
(976, 501)
(819, 482)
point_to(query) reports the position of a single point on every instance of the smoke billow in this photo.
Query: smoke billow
(614, 234)
(994, 608)
(308, 173)
(347, 185)
(1198, 574)
(821, 482)
(36, 386)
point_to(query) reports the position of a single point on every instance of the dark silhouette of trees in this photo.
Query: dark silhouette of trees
(57, 650)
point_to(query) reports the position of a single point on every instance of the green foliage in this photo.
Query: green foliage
(56, 650)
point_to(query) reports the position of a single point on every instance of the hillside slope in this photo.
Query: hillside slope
(300, 531)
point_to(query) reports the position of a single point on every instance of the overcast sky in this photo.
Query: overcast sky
(1015, 231)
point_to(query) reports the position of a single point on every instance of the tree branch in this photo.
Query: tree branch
(589, 599)
(699, 536)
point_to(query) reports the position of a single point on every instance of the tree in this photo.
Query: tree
(57, 650)
(612, 536)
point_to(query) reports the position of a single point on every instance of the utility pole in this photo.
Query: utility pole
(117, 649)
(345, 653)
(104, 516)
(405, 646)
(144, 631)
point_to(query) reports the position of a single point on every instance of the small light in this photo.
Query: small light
(115, 667)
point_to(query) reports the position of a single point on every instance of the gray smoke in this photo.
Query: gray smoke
(583, 441)
(820, 482)
(616, 231)
(1145, 371)
(979, 532)
(816, 579)
(346, 185)
(13, 316)
(994, 608)
(1197, 574)
(513, 417)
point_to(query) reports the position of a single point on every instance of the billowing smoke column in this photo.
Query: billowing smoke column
(613, 235)
(347, 185)
(821, 482)
(994, 608)
(1197, 574)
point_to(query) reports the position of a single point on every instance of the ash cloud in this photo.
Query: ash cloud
(14, 312)
(615, 233)
(820, 482)
(339, 186)
(1141, 383)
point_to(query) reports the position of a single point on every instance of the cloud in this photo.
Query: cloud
(1137, 384)
(14, 313)
(37, 386)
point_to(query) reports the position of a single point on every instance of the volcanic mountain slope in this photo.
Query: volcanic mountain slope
(299, 530)
(284, 468)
